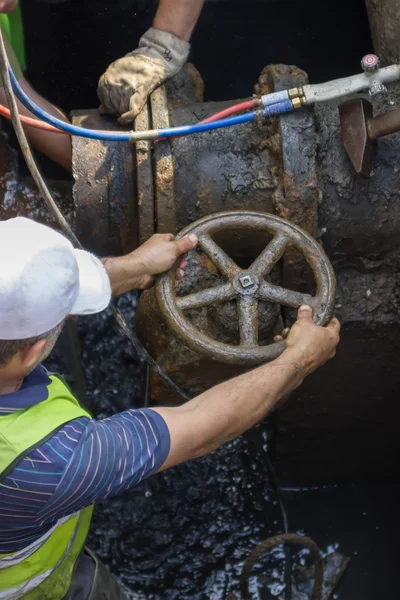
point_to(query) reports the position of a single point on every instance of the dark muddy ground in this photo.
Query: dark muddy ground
(188, 540)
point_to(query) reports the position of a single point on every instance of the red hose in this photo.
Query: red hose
(223, 114)
(232, 110)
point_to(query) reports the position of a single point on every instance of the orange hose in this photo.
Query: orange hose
(4, 112)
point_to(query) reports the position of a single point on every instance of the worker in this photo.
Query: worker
(55, 146)
(56, 461)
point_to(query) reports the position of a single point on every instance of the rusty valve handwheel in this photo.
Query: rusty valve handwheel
(246, 286)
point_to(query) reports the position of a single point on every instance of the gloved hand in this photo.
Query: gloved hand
(125, 86)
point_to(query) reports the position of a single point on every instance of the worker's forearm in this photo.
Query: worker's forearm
(229, 409)
(124, 273)
(243, 402)
(178, 16)
(55, 146)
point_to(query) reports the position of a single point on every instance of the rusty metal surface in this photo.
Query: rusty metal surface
(144, 179)
(236, 168)
(248, 286)
(186, 86)
(359, 217)
(299, 202)
(229, 169)
(104, 191)
(164, 184)
(294, 143)
(154, 163)
(384, 20)
(360, 147)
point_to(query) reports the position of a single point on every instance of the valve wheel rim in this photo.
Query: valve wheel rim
(247, 286)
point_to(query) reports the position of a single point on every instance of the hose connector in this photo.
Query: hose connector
(274, 98)
(298, 102)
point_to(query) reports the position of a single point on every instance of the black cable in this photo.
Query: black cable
(63, 223)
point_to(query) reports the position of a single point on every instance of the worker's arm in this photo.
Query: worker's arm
(178, 17)
(90, 461)
(137, 269)
(227, 410)
(163, 50)
(54, 145)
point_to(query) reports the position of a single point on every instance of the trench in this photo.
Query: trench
(185, 534)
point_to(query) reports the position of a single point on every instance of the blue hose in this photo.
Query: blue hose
(133, 136)
(200, 127)
(271, 111)
(72, 129)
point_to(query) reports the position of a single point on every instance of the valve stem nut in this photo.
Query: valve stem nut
(370, 63)
(378, 91)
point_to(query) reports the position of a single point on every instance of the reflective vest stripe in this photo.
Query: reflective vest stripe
(24, 588)
(17, 557)
(44, 568)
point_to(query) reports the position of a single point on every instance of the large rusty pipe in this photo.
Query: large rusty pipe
(124, 194)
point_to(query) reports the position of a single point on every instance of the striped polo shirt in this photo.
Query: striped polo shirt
(86, 461)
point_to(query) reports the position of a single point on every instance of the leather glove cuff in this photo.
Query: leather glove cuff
(164, 46)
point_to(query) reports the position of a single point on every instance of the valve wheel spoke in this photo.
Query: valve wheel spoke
(215, 295)
(248, 320)
(220, 259)
(268, 258)
(279, 295)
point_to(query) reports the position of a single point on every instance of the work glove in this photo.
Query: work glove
(125, 86)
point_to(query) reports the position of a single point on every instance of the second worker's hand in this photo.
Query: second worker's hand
(137, 270)
(309, 346)
(125, 86)
(159, 254)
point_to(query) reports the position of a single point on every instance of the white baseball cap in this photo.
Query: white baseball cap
(43, 279)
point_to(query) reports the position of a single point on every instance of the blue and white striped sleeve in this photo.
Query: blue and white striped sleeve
(110, 456)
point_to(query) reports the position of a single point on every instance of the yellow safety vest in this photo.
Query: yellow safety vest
(42, 570)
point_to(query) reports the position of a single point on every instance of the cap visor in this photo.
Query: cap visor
(94, 285)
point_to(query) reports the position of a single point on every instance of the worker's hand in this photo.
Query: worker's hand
(159, 254)
(125, 86)
(309, 346)
(7, 6)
